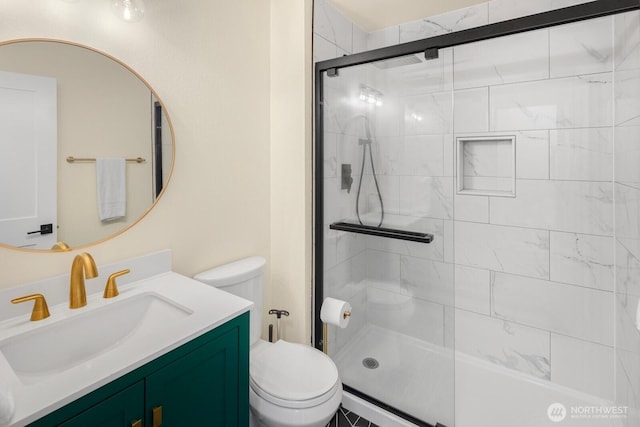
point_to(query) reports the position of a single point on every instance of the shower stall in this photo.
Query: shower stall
(478, 205)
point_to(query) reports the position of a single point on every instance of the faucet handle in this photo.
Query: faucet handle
(40, 310)
(61, 247)
(111, 290)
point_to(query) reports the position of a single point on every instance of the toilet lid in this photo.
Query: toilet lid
(292, 372)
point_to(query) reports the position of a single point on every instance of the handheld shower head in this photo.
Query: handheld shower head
(366, 142)
(367, 129)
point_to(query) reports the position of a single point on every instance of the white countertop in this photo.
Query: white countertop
(209, 308)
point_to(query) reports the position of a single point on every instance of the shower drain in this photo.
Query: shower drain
(370, 363)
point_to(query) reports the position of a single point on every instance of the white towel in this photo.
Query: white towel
(112, 188)
(7, 404)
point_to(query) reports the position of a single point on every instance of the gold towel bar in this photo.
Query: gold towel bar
(72, 159)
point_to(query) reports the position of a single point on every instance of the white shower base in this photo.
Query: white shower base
(426, 393)
(416, 377)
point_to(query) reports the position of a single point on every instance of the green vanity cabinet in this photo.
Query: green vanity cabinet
(118, 410)
(205, 382)
(200, 389)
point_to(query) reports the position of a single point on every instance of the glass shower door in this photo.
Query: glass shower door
(387, 231)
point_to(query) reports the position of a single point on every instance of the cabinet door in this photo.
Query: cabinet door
(120, 410)
(200, 389)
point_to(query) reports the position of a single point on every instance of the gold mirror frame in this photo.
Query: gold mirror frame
(63, 246)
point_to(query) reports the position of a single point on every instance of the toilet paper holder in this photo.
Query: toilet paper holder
(279, 314)
(325, 333)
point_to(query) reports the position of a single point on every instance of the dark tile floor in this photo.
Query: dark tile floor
(344, 418)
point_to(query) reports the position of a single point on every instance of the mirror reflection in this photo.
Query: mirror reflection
(85, 145)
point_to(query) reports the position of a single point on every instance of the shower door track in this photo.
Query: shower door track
(388, 408)
(429, 46)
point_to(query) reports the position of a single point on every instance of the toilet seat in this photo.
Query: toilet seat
(293, 375)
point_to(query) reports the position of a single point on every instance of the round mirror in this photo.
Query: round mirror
(86, 145)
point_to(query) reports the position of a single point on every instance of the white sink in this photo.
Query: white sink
(71, 341)
(52, 362)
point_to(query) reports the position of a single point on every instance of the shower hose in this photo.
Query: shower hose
(367, 143)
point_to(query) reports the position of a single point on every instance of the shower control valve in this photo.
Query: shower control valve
(347, 180)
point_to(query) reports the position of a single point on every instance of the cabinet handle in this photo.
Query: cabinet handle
(157, 416)
(137, 423)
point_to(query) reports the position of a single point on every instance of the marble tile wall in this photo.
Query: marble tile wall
(334, 34)
(530, 279)
(474, 16)
(546, 255)
(627, 232)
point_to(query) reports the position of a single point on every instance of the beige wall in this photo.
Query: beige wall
(291, 191)
(210, 62)
(103, 111)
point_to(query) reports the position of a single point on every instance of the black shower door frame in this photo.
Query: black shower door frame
(430, 47)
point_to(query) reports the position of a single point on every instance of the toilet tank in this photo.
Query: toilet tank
(244, 278)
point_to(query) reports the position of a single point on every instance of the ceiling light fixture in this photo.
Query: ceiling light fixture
(128, 10)
(370, 95)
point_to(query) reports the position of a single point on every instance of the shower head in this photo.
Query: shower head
(366, 121)
(367, 131)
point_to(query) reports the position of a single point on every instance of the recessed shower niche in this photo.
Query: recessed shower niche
(486, 165)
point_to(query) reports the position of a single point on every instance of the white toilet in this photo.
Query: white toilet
(291, 385)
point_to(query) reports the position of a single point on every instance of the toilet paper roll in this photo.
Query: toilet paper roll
(335, 312)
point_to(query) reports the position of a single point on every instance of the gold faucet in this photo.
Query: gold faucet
(83, 265)
(61, 246)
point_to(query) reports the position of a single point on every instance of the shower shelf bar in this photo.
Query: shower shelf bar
(390, 233)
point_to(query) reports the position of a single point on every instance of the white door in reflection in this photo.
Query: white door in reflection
(28, 157)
